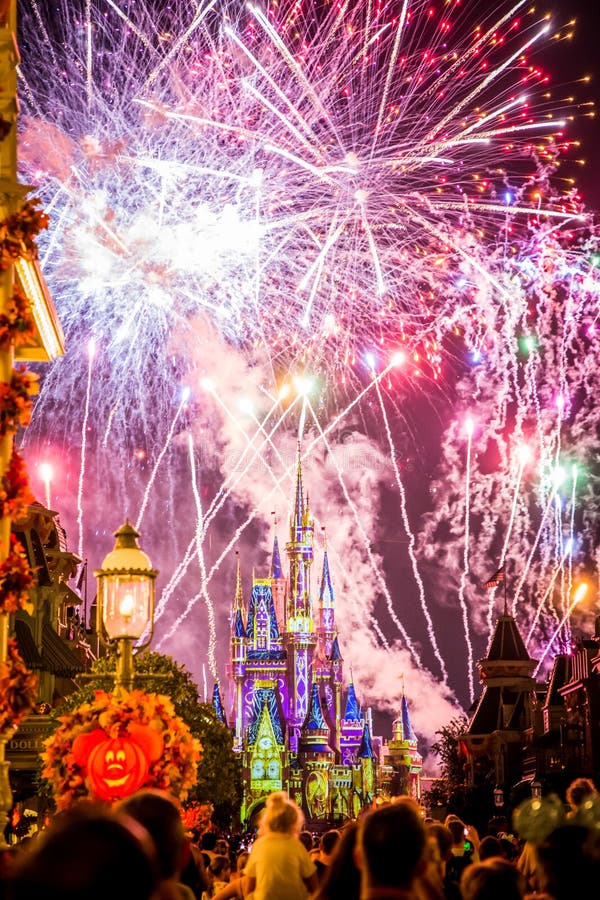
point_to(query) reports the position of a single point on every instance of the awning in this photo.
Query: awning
(27, 646)
(57, 656)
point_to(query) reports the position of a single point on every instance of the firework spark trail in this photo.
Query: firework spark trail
(410, 536)
(212, 631)
(366, 543)
(230, 482)
(184, 399)
(86, 413)
(216, 504)
(559, 568)
(579, 595)
(465, 571)
(236, 536)
(534, 547)
(376, 138)
(571, 544)
(523, 456)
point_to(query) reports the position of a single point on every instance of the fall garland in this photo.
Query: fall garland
(19, 231)
(15, 494)
(18, 687)
(16, 324)
(174, 771)
(15, 400)
(15, 579)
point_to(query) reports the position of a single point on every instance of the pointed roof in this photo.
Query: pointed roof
(238, 624)
(217, 704)
(336, 655)
(238, 601)
(365, 751)
(507, 643)
(352, 711)
(314, 717)
(276, 568)
(298, 512)
(326, 595)
(402, 726)
(237, 619)
(266, 702)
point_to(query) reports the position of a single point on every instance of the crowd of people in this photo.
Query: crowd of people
(138, 850)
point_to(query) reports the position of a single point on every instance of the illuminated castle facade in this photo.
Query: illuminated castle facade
(296, 723)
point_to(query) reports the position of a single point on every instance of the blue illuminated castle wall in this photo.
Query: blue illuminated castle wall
(296, 721)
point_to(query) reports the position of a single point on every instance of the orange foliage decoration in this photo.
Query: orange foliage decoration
(16, 579)
(15, 400)
(18, 688)
(15, 494)
(197, 816)
(16, 324)
(19, 231)
(77, 759)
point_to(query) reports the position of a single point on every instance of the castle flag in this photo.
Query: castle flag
(497, 578)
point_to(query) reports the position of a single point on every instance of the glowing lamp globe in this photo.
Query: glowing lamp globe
(126, 588)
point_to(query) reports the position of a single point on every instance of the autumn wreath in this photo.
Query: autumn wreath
(110, 747)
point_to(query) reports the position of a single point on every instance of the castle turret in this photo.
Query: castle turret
(300, 638)
(402, 756)
(300, 554)
(278, 582)
(351, 728)
(217, 704)
(237, 659)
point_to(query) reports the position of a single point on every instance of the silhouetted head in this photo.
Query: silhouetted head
(391, 845)
(494, 879)
(159, 814)
(88, 853)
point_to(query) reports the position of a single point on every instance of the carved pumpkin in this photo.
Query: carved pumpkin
(116, 767)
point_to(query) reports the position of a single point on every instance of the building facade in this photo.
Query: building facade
(296, 720)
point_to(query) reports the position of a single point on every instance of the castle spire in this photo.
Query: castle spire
(237, 618)
(217, 704)
(352, 711)
(402, 729)
(276, 569)
(365, 751)
(238, 602)
(326, 596)
(298, 514)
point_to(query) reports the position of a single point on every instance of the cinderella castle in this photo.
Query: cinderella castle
(296, 722)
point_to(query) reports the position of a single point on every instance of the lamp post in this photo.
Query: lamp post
(536, 790)
(498, 796)
(126, 600)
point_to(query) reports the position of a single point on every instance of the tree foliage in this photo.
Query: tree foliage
(452, 762)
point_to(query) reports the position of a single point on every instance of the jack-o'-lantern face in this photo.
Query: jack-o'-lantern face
(116, 767)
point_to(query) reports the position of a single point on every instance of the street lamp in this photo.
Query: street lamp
(126, 600)
(498, 796)
(536, 790)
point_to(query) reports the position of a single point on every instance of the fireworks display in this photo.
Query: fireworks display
(340, 221)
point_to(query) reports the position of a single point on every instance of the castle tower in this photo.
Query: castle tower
(366, 761)
(278, 582)
(316, 758)
(300, 638)
(217, 704)
(237, 656)
(402, 755)
(351, 728)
